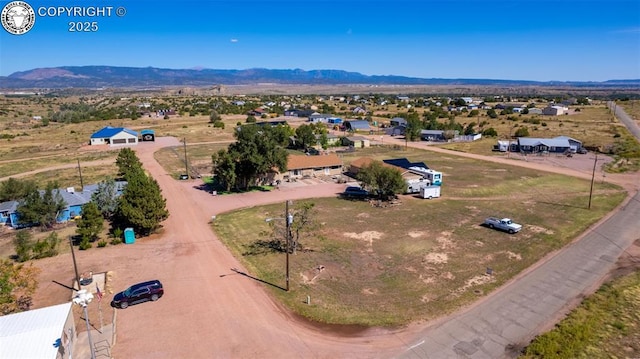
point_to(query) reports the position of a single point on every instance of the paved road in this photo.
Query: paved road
(631, 125)
(509, 318)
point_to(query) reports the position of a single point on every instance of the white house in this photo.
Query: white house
(114, 136)
(555, 110)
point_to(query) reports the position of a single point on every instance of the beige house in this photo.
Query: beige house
(301, 166)
(356, 142)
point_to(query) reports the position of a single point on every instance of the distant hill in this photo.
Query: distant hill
(111, 76)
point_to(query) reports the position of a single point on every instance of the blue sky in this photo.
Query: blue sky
(563, 40)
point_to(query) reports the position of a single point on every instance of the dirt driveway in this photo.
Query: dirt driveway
(208, 309)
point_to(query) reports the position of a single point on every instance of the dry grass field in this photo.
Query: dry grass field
(370, 265)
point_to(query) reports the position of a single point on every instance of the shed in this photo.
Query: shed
(114, 136)
(129, 236)
(398, 121)
(148, 135)
(357, 125)
(32, 334)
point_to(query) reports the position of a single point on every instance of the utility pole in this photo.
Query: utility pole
(186, 163)
(80, 172)
(593, 174)
(75, 265)
(289, 218)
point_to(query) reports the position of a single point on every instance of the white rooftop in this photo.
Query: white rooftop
(32, 334)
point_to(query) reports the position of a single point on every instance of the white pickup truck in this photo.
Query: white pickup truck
(504, 224)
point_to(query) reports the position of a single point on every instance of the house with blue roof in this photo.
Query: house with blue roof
(74, 200)
(114, 136)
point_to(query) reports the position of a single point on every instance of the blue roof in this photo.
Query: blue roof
(404, 163)
(109, 132)
(147, 132)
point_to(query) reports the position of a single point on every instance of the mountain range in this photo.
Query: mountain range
(119, 77)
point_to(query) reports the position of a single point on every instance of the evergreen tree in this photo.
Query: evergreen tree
(141, 206)
(15, 189)
(91, 223)
(23, 244)
(42, 209)
(127, 161)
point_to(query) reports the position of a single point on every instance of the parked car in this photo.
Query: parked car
(504, 224)
(355, 192)
(138, 293)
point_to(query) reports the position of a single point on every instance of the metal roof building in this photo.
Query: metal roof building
(114, 136)
(32, 334)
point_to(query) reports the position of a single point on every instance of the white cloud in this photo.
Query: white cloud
(234, 40)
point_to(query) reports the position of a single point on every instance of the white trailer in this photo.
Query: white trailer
(414, 185)
(430, 192)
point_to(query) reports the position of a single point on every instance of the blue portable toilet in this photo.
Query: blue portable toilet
(129, 236)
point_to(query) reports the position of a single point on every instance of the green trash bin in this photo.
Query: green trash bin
(129, 236)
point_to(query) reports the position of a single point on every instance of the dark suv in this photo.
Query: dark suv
(137, 293)
(355, 192)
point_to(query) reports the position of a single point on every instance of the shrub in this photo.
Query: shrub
(117, 233)
(48, 247)
(23, 246)
(219, 124)
(102, 243)
(85, 244)
(490, 132)
(115, 241)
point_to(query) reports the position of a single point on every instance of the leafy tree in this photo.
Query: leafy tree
(304, 223)
(250, 119)
(383, 180)
(474, 113)
(141, 206)
(490, 132)
(91, 223)
(522, 132)
(15, 189)
(106, 197)
(256, 152)
(492, 113)
(305, 136)
(127, 161)
(214, 117)
(42, 209)
(469, 130)
(412, 131)
(17, 285)
(224, 168)
(23, 244)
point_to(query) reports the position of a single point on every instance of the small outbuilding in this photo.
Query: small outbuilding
(147, 135)
(114, 136)
(357, 125)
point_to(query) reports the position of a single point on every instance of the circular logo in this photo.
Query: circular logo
(18, 17)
